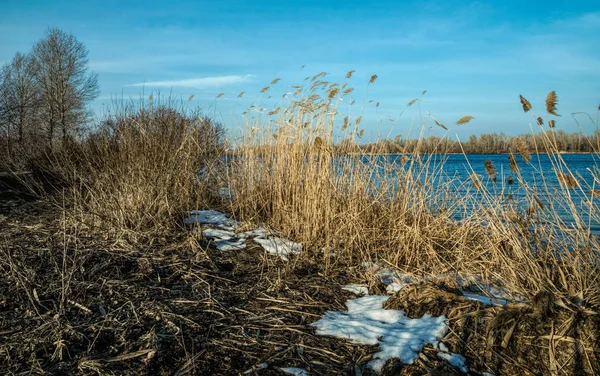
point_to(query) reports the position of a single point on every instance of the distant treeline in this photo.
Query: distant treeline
(491, 143)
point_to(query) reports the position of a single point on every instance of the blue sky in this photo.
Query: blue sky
(473, 58)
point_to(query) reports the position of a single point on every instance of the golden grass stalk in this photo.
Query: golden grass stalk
(551, 102)
(525, 103)
(476, 181)
(439, 124)
(464, 120)
(567, 180)
(275, 81)
(514, 167)
(412, 102)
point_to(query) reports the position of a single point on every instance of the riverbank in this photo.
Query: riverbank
(76, 303)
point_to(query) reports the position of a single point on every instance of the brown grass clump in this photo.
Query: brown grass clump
(567, 180)
(544, 336)
(551, 102)
(464, 120)
(138, 172)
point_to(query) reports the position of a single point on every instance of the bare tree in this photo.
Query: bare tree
(19, 97)
(66, 85)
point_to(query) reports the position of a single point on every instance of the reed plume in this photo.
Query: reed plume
(264, 89)
(412, 102)
(525, 103)
(490, 169)
(540, 121)
(551, 101)
(220, 95)
(439, 124)
(464, 120)
(332, 93)
(349, 74)
(551, 124)
(514, 167)
(373, 78)
(241, 94)
(523, 150)
(567, 180)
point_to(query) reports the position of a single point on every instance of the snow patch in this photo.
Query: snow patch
(356, 289)
(211, 217)
(455, 360)
(279, 246)
(295, 371)
(366, 322)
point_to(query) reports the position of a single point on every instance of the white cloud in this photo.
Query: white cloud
(198, 83)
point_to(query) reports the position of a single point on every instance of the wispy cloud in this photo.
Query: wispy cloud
(198, 83)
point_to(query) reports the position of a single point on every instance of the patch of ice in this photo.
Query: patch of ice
(279, 246)
(455, 360)
(229, 245)
(257, 232)
(211, 217)
(295, 371)
(356, 289)
(366, 322)
(485, 299)
(218, 233)
(258, 367)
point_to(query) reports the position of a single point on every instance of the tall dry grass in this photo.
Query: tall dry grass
(137, 173)
(297, 169)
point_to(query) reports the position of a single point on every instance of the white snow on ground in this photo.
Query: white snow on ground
(279, 246)
(295, 371)
(211, 217)
(356, 289)
(366, 322)
(229, 245)
(455, 360)
(225, 239)
(218, 233)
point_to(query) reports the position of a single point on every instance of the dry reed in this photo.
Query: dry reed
(525, 103)
(464, 120)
